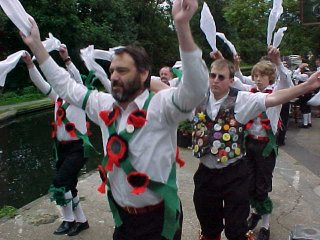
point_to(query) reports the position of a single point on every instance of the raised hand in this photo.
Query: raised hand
(27, 60)
(183, 10)
(63, 52)
(216, 55)
(33, 41)
(274, 55)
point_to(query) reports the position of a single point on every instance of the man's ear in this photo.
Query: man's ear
(143, 76)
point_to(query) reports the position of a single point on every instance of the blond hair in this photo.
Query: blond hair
(265, 67)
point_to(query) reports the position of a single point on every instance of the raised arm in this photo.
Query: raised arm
(285, 95)
(74, 72)
(195, 77)
(284, 78)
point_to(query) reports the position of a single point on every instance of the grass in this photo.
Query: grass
(8, 211)
(21, 95)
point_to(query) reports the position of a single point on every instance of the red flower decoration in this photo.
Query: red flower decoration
(137, 118)
(110, 116)
(253, 90)
(139, 181)
(70, 128)
(279, 124)
(249, 124)
(59, 102)
(117, 149)
(54, 130)
(104, 179)
(179, 160)
(61, 113)
(265, 123)
(89, 133)
(268, 91)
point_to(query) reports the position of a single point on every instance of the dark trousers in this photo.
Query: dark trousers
(284, 116)
(146, 226)
(222, 195)
(260, 170)
(70, 161)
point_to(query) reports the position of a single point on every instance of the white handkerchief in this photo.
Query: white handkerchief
(274, 16)
(229, 44)
(277, 38)
(315, 100)
(208, 26)
(15, 11)
(51, 43)
(103, 54)
(8, 64)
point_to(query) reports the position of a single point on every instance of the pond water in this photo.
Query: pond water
(26, 162)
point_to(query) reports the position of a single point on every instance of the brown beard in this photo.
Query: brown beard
(129, 89)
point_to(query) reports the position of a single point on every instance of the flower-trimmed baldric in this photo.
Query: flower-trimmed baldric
(118, 154)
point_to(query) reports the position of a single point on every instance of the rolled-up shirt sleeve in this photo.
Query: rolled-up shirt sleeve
(195, 81)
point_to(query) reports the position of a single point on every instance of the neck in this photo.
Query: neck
(125, 104)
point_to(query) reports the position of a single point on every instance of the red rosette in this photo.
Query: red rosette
(71, 129)
(265, 123)
(253, 90)
(137, 118)
(54, 129)
(89, 133)
(104, 179)
(117, 149)
(59, 102)
(139, 181)
(60, 114)
(109, 117)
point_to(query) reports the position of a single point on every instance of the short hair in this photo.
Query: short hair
(265, 68)
(221, 63)
(140, 58)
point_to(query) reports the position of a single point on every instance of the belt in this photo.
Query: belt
(259, 138)
(142, 210)
(226, 168)
(71, 141)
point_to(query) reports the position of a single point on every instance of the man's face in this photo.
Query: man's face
(126, 81)
(165, 75)
(220, 81)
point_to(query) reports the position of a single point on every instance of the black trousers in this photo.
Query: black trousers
(284, 116)
(222, 195)
(260, 169)
(70, 161)
(146, 226)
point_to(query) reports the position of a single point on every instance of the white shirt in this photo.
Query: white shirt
(153, 148)
(74, 114)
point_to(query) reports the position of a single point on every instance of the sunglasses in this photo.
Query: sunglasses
(220, 77)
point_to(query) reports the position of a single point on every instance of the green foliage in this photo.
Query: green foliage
(8, 211)
(21, 95)
(185, 126)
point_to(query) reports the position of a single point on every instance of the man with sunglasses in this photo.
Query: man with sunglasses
(221, 182)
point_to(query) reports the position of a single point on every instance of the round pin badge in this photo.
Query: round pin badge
(232, 122)
(217, 127)
(235, 138)
(224, 159)
(200, 142)
(232, 131)
(196, 148)
(231, 154)
(217, 135)
(226, 137)
(130, 128)
(216, 144)
(214, 150)
(227, 149)
(226, 127)
(234, 145)
(237, 151)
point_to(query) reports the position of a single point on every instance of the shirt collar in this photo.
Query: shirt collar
(138, 101)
